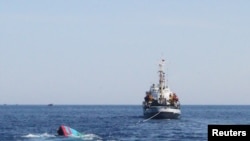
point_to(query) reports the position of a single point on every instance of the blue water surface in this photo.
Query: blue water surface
(113, 122)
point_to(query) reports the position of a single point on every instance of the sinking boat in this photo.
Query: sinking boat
(160, 101)
(68, 132)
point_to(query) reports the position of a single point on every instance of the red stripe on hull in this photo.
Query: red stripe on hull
(65, 131)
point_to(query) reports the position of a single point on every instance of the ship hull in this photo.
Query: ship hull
(161, 112)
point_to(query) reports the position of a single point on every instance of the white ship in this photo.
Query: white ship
(160, 102)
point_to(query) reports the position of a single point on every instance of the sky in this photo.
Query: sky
(99, 52)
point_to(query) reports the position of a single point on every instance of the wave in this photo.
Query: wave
(43, 135)
(88, 137)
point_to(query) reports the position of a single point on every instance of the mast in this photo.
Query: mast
(161, 76)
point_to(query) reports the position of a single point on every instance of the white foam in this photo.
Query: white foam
(91, 137)
(44, 135)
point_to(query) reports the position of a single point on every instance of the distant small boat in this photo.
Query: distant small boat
(68, 132)
(50, 104)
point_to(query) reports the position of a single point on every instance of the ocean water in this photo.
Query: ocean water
(113, 122)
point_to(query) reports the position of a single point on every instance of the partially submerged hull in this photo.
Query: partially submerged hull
(162, 112)
(67, 131)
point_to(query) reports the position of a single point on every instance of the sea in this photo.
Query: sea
(114, 122)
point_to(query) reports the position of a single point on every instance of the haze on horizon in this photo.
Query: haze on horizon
(107, 52)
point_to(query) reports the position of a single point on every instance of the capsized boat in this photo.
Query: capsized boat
(160, 101)
(68, 132)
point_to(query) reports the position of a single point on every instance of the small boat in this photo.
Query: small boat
(50, 104)
(68, 132)
(160, 102)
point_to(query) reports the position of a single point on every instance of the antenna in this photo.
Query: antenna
(167, 77)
